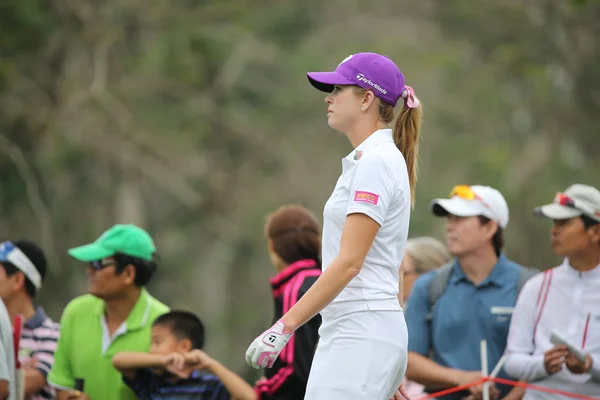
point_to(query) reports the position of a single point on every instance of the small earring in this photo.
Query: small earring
(362, 108)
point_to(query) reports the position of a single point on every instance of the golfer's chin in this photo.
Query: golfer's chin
(331, 120)
(335, 123)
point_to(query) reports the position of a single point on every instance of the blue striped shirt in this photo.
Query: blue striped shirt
(148, 385)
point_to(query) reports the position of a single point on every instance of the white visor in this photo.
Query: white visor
(12, 254)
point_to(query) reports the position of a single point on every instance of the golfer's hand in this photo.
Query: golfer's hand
(265, 349)
(400, 394)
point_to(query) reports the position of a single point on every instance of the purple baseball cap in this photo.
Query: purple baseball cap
(370, 71)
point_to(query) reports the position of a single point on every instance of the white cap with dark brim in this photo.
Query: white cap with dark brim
(492, 205)
(586, 202)
(556, 211)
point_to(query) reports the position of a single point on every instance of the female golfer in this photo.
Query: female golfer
(362, 348)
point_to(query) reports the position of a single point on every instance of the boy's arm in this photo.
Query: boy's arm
(238, 388)
(34, 381)
(128, 362)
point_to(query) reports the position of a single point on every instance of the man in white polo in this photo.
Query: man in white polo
(566, 300)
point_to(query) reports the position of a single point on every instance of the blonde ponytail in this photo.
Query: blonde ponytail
(406, 136)
(406, 131)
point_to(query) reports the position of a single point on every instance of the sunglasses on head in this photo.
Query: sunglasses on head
(97, 265)
(465, 192)
(567, 201)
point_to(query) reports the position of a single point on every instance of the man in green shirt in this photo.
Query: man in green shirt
(115, 316)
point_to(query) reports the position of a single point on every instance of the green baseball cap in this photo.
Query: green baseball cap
(127, 239)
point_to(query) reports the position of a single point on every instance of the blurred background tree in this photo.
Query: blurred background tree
(195, 119)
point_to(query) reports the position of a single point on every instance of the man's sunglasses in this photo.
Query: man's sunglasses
(97, 265)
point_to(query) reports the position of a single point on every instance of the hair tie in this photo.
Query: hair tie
(410, 100)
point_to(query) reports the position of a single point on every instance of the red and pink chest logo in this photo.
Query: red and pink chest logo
(366, 197)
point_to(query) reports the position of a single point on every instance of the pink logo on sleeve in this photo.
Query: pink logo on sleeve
(366, 197)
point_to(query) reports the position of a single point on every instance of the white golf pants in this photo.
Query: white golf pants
(360, 356)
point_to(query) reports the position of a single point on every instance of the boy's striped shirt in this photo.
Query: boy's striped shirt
(39, 337)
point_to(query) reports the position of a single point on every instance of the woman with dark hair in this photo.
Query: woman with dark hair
(294, 244)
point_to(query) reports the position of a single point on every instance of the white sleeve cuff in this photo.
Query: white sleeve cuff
(369, 212)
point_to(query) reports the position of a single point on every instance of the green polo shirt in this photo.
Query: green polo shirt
(85, 350)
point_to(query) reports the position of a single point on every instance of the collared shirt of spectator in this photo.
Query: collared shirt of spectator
(23, 270)
(565, 300)
(444, 349)
(116, 315)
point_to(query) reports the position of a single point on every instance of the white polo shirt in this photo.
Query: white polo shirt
(566, 300)
(374, 182)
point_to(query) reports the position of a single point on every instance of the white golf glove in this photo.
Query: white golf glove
(265, 349)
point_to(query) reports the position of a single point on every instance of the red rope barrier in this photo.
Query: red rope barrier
(542, 389)
(454, 389)
(506, 382)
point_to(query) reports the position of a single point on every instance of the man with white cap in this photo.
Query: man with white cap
(562, 303)
(450, 310)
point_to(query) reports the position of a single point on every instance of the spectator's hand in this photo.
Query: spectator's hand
(77, 395)
(400, 394)
(197, 359)
(467, 377)
(175, 364)
(31, 363)
(516, 393)
(555, 358)
(494, 393)
(577, 367)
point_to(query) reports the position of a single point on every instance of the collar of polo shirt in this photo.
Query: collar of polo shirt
(379, 136)
(138, 316)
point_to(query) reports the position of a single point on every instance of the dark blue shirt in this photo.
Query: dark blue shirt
(462, 317)
(148, 385)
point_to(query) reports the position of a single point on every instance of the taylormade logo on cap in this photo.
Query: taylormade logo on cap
(362, 78)
(370, 71)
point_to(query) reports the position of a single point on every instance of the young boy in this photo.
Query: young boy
(171, 369)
